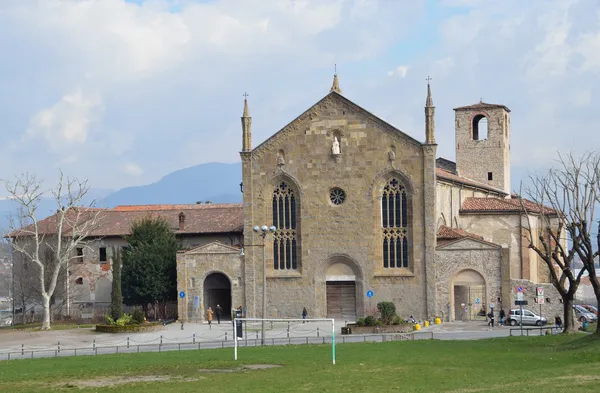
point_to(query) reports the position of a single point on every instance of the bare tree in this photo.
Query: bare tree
(49, 244)
(564, 199)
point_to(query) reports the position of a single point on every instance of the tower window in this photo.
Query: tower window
(102, 252)
(490, 176)
(480, 128)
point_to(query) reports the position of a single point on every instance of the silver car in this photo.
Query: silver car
(584, 315)
(528, 318)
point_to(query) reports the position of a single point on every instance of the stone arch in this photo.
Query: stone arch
(480, 127)
(383, 176)
(441, 221)
(468, 295)
(342, 279)
(217, 289)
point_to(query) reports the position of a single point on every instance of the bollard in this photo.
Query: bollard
(22, 349)
(59, 347)
(161, 340)
(317, 331)
(127, 342)
(225, 336)
(194, 338)
(257, 335)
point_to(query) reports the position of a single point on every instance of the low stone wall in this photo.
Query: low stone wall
(150, 327)
(355, 329)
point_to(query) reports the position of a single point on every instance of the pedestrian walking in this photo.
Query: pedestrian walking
(304, 314)
(209, 315)
(502, 317)
(219, 312)
(491, 317)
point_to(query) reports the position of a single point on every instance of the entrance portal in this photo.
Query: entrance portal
(217, 290)
(469, 296)
(341, 292)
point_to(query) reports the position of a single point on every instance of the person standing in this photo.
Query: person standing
(219, 312)
(209, 315)
(304, 314)
(502, 317)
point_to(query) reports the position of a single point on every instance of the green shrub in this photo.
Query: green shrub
(138, 316)
(397, 320)
(109, 320)
(360, 322)
(126, 319)
(387, 311)
(370, 321)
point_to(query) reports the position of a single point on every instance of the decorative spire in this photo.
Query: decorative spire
(429, 116)
(429, 101)
(336, 83)
(246, 127)
(245, 114)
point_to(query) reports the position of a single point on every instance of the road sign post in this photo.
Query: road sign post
(181, 295)
(370, 295)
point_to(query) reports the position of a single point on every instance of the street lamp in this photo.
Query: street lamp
(264, 230)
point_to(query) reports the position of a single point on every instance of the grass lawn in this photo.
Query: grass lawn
(548, 363)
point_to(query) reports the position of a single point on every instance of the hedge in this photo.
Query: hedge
(148, 327)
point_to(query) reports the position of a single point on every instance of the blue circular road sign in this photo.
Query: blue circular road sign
(370, 293)
(182, 294)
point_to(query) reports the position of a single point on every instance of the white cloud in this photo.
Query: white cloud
(67, 121)
(132, 169)
(401, 71)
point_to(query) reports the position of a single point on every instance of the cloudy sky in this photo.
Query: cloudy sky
(124, 92)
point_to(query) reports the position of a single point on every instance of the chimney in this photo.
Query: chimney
(181, 221)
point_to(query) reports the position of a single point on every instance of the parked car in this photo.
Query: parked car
(584, 315)
(590, 308)
(529, 318)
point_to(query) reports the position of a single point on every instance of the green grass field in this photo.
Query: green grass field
(546, 364)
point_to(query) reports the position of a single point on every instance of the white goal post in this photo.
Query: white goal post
(332, 321)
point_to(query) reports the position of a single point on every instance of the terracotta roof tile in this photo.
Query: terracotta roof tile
(199, 219)
(512, 205)
(448, 233)
(451, 177)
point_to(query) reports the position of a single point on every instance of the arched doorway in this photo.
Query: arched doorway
(341, 291)
(217, 290)
(469, 296)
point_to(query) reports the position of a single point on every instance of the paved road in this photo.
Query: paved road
(199, 336)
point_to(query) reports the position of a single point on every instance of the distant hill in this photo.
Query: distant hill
(215, 182)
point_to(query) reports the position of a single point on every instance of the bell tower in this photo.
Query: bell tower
(483, 144)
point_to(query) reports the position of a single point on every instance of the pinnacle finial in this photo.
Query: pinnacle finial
(246, 113)
(429, 101)
(336, 83)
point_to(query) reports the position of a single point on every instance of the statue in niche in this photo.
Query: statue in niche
(280, 160)
(392, 156)
(335, 149)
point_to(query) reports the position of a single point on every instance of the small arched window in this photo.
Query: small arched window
(285, 241)
(395, 224)
(480, 128)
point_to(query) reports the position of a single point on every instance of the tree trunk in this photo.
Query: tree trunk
(568, 320)
(46, 320)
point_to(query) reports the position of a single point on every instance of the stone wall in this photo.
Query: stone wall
(449, 200)
(194, 266)
(466, 255)
(353, 229)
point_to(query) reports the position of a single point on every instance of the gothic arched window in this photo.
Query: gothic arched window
(284, 219)
(394, 221)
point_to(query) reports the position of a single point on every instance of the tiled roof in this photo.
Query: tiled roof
(483, 105)
(199, 219)
(451, 177)
(448, 233)
(512, 205)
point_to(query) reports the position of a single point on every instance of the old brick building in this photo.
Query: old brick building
(360, 206)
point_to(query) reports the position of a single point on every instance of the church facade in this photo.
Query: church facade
(360, 207)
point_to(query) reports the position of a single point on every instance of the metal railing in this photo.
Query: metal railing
(165, 344)
(554, 329)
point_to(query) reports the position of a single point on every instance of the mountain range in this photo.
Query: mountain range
(215, 182)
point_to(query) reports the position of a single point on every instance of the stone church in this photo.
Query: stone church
(360, 207)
